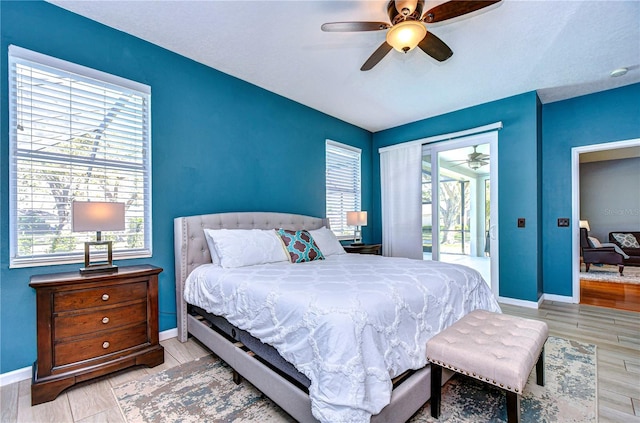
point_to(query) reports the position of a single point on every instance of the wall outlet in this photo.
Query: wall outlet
(563, 222)
(521, 222)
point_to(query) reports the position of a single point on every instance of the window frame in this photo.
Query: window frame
(346, 232)
(18, 55)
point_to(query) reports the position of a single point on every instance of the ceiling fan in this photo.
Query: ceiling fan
(475, 160)
(407, 31)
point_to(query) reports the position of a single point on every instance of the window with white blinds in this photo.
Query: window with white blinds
(343, 186)
(75, 134)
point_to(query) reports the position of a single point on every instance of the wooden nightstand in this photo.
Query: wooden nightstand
(92, 325)
(364, 249)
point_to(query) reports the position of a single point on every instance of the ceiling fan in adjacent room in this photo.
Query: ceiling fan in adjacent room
(475, 160)
(407, 30)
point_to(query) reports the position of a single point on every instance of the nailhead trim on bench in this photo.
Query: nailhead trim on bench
(479, 377)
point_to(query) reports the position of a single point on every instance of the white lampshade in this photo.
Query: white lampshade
(357, 218)
(406, 35)
(97, 216)
(585, 224)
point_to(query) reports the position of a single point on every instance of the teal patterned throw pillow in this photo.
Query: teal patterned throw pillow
(300, 246)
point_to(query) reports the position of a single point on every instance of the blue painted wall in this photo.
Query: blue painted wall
(219, 144)
(540, 241)
(603, 117)
(519, 174)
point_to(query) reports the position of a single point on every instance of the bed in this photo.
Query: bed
(304, 358)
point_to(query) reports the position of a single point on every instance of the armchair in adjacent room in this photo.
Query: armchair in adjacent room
(594, 254)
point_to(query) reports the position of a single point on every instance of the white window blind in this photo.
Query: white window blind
(75, 134)
(343, 186)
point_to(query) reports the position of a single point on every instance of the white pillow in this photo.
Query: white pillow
(327, 241)
(246, 247)
(215, 259)
(594, 242)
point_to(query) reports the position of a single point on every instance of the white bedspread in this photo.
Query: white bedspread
(349, 323)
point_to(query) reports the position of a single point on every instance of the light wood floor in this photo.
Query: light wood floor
(617, 336)
(615, 332)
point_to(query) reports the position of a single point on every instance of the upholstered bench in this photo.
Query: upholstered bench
(492, 347)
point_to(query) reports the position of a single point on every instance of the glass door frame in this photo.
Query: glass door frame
(433, 149)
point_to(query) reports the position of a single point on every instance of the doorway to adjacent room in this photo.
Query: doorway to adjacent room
(600, 172)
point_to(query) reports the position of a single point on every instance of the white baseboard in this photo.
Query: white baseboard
(15, 376)
(169, 333)
(25, 373)
(520, 303)
(558, 298)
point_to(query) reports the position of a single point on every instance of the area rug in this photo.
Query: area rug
(202, 391)
(609, 273)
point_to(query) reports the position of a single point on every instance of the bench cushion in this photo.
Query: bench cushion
(491, 347)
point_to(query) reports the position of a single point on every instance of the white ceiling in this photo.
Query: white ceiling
(562, 49)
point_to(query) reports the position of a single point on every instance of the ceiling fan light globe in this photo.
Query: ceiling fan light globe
(475, 165)
(406, 35)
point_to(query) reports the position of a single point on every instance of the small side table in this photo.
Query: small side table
(364, 249)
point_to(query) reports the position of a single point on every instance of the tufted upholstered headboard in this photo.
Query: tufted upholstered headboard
(191, 250)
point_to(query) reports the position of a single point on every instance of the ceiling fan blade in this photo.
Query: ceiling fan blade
(452, 9)
(376, 56)
(354, 26)
(435, 47)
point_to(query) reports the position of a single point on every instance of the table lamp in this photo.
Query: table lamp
(357, 219)
(97, 216)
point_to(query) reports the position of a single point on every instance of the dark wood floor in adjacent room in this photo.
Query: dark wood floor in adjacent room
(621, 296)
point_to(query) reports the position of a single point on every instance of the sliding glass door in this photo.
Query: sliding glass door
(459, 203)
(427, 213)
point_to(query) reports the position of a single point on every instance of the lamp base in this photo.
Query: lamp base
(99, 268)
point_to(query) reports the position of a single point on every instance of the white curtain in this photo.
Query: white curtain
(401, 181)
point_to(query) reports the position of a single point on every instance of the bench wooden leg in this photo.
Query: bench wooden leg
(237, 378)
(436, 390)
(513, 407)
(540, 369)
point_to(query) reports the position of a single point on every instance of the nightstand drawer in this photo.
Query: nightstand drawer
(73, 324)
(86, 298)
(101, 344)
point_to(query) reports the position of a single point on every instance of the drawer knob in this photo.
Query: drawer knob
(105, 297)
(105, 344)
(105, 320)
